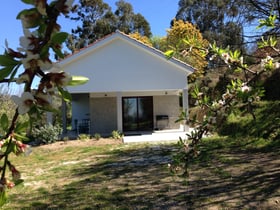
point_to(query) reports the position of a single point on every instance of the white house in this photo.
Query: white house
(132, 87)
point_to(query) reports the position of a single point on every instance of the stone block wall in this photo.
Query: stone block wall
(166, 105)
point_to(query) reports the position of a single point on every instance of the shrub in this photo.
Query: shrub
(83, 136)
(46, 134)
(97, 136)
(116, 134)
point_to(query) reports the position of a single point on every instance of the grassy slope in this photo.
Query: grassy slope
(267, 124)
(235, 172)
(229, 173)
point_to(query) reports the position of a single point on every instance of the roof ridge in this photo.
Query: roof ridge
(91, 44)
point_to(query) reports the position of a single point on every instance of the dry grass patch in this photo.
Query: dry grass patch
(99, 175)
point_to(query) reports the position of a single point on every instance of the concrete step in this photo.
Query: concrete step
(157, 136)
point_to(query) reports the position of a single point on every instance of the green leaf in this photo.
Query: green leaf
(14, 72)
(59, 38)
(4, 122)
(44, 52)
(169, 54)
(11, 148)
(33, 17)
(49, 108)
(4, 72)
(65, 94)
(187, 41)
(268, 22)
(6, 60)
(78, 80)
(58, 52)
(26, 12)
(28, 2)
(18, 182)
(21, 137)
(21, 127)
(3, 197)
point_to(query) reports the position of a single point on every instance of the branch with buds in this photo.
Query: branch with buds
(41, 33)
(240, 91)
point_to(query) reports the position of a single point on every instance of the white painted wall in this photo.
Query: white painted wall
(121, 65)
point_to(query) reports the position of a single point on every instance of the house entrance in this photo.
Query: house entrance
(137, 113)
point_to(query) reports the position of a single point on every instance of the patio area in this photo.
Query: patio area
(157, 136)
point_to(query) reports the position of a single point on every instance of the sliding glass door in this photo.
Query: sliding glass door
(137, 113)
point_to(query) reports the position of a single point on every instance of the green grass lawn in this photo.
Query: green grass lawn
(229, 174)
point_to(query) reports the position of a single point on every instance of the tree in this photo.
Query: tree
(182, 36)
(159, 42)
(97, 20)
(145, 40)
(267, 12)
(262, 9)
(242, 94)
(218, 20)
(129, 22)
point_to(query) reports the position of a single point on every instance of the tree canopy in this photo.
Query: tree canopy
(141, 38)
(224, 21)
(96, 19)
(184, 35)
(218, 20)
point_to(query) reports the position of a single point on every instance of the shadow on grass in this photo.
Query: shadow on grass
(265, 126)
(139, 179)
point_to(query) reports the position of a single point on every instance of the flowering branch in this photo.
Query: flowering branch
(41, 33)
(240, 91)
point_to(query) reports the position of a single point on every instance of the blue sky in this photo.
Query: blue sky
(158, 13)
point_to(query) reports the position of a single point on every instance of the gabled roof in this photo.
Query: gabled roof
(118, 34)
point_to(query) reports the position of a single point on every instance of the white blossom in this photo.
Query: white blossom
(226, 57)
(245, 88)
(215, 104)
(241, 60)
(45, 65)
(25, 41)
(41, 7)
(212, 57)
(24, 103)
(66, 79)
(43, 99)
(29, 57)
(226, 95)
(266, 60)
(277, 65)
(25, 44)
(24, 21)
(221, 102)
(200, 94)
(23, 78)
